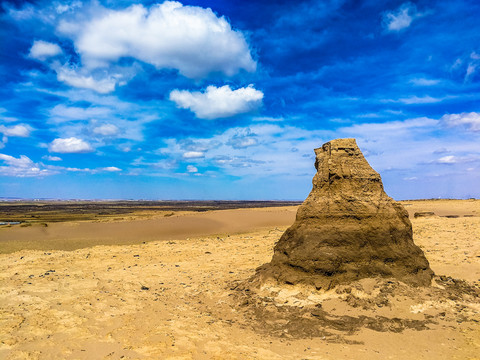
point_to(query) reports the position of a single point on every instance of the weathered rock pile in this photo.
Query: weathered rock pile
(347, 229)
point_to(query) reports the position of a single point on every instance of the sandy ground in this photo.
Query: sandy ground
(178, 298)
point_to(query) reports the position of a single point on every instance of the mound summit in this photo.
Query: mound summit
(347, 229)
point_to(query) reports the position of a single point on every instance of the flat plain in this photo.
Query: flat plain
(164, 283)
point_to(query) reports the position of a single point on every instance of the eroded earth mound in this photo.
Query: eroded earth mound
(347, 229)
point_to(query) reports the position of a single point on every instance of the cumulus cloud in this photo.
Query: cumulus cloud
(191, 169)
(22, 166)
(70, 145)
(22, 161)
(193, 155)
(42, 50)
(469, 120)
(106, 130)
(17, 130)
(190, 39)
(449, 159)
(401, 18)
(219, 102)
(111, 169)
(51, 158)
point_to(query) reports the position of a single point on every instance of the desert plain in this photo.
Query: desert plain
(167, 284)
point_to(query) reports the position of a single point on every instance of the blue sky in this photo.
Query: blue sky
(228, 99)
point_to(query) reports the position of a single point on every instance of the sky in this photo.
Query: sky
(227, 99)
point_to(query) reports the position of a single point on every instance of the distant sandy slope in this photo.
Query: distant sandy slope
(444, 207)
(182, 225)
(173, 299)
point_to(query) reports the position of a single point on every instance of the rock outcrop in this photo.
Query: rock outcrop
(347, 229)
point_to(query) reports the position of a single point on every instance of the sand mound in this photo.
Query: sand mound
(347, 229)
(379, 305)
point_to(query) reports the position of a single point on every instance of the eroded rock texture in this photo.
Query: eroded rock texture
(347, 229)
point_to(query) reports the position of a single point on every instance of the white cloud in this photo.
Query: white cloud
(270, 155)
(25, 13)
(240, 143)
(73, 78)
(243, 139)
(63, 8)
(22, 161)
(218, 102)
(193, 155)
(72, 169)
(106, 130)
(268, 119)
(396, 144)
(21, 167)
(42, 50)
(111, 169)
(401, 18)
(125, 120)
(191, 169)
(470, 120)
(450, 159)
(471, 69)
(424, 82)
(413, 99)
(420, 100)
(17, 130)
(190, 39)
(456, 64)
(51, 158)
(70, 145)
(62, 113)
(59, 169)
(472, 66)
(394, 127)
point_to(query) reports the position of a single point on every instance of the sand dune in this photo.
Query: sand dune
(182, 225)
(174, 299)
